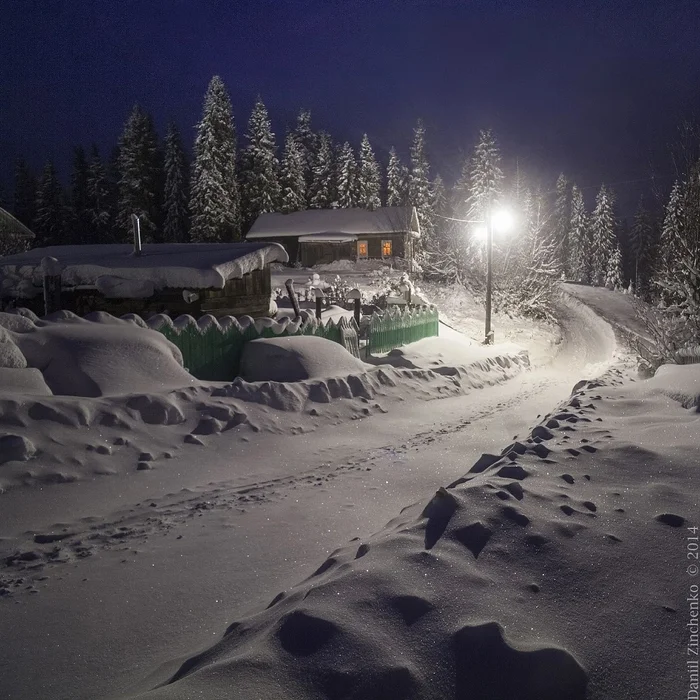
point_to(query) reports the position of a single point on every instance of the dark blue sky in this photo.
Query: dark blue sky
(592, 88)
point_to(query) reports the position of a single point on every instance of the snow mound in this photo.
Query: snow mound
(484, 590)
(446, 354)
(25, 382)
(679, 382)
(294, 359)
(15, 448)
(86, 358)
(10, 355)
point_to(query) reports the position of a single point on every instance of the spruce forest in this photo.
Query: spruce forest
(233, 179)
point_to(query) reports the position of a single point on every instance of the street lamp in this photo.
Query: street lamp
(500, 220)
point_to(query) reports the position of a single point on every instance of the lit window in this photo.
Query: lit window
(386, 249)
(362, 250)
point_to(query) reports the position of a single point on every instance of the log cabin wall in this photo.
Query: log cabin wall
(322, 253)
(249, 295)
(318, 253)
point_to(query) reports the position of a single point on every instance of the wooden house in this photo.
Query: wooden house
(319, 236)
(175, 278)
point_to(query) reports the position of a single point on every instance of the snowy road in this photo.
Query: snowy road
(224, 546)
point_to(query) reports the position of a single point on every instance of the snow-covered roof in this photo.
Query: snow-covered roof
(328, 238)
(174, 265)
(9, 226)
(349, 221)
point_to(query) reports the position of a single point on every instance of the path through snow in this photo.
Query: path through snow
(211, 547)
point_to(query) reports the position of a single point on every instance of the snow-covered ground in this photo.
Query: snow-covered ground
(120, 576)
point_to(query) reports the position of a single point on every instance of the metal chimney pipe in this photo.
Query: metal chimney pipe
(137, 234)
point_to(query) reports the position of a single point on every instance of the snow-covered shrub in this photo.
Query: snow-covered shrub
(338, 291)
(674, 334)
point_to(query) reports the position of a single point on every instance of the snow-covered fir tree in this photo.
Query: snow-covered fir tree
(176, 196)
(308, 145)
(440, 211)
(641, 251)
(485, 177)
(260, 188)
(369, 177)
(613, 272)
(322, 191)
(79, 225)
(100, 207)
(679, 274)
(460, 190)
(672, 233)
(24, 203)
(580, 245)
(140, 177)
(292, 179)
(602, 235)
(419, 185)
(396, 181)
(214, 196)
(561, 221)
(347, 178)
(49, 219)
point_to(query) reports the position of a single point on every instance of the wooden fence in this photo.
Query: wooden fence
(398, 327)
(212, 348)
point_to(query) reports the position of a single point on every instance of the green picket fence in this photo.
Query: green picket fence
(396, 327)
(212, 350)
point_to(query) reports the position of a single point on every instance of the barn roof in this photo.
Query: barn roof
(384, 220)
(174, 265)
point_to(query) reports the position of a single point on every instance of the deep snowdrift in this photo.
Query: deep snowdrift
(105, 356)
(100, 393)
(554, 570)
(447, 355)
(295, 358)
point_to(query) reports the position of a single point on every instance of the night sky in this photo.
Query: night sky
(594, 89)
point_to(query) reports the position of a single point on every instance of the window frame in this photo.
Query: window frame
(364, 243)
(390, 243)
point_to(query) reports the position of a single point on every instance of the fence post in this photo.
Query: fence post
(293, 297)
(319, 302)
(51, 270)
(356, 296)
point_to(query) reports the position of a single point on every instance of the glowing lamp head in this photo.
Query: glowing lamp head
(502, 221)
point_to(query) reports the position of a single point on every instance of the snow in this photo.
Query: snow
(327, 238)
(335, 221)
(485, 589)
(190, 265)
(443, 354)
(294, 359)
(118, 288)
(83, 358)
(679, 382)
(261, 507)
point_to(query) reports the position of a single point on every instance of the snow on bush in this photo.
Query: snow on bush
(674, 336)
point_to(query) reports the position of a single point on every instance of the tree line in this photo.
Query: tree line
(220, 194)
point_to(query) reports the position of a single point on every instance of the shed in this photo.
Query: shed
(14, 235)
(324, 235)
(175, 278)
